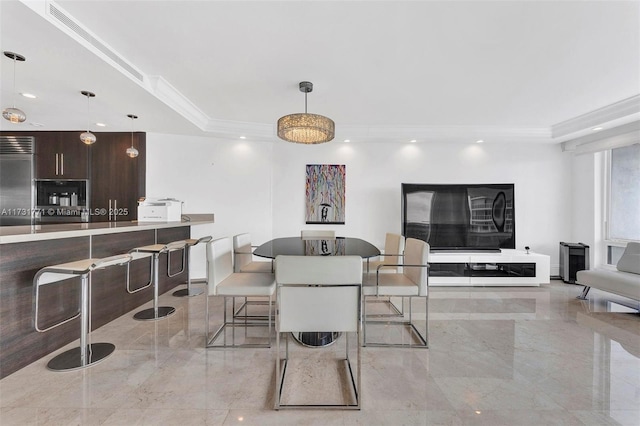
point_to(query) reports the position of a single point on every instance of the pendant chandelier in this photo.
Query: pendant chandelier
(306, 128)
(14, 114)
(87, 137)
(132, 152)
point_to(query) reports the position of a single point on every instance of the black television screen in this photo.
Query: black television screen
(460, 217)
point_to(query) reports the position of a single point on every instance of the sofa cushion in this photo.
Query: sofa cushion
(630, 260)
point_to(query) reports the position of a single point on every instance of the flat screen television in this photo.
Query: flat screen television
(459, 217)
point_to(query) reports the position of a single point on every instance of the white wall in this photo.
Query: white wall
(259, 187)
(230, 179)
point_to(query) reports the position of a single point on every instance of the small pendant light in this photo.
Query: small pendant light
(87, 137)
(132, 152)
(14, 114)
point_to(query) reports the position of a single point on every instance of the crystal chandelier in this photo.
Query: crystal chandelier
(87, 137)
(306, 128)
(132, 152)
(14, 114)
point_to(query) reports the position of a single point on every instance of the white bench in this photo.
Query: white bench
(623, 281)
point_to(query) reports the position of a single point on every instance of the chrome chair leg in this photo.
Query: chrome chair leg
(233, 324)
(408, 323)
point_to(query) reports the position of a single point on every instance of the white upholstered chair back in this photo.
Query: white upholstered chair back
(416, 252)
(318, 293)
(318, 233)
(242, 251)
(219, 263)
(394, 246)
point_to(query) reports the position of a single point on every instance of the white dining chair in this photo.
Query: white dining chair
(412, 281)
(243, 256)
(223, 282)
(318, 293)
(244, 261)
(318, 234)
(392, 254)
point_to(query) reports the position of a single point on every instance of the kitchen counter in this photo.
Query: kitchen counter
(21, 234)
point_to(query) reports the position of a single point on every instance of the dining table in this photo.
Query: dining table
(317, 246)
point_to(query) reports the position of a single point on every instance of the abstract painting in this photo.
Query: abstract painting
(325, 193)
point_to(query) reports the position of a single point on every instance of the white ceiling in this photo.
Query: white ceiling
(383, 70)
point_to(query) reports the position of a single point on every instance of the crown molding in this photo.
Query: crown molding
(451, 134)
(613, 115)
(379, 134)
(173, 98)
(626, 134)
(235, 129)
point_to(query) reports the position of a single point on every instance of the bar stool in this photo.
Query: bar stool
(189, 292)
(87, 353)
(155, 250)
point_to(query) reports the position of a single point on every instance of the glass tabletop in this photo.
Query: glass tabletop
(298, 246)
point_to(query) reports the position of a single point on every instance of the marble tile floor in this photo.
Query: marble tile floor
(497, 356)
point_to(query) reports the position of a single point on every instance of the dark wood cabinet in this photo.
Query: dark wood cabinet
(117, 180)
(61, 155)
(58, 155)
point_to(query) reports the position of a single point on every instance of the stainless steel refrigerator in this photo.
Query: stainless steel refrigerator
(16, 180)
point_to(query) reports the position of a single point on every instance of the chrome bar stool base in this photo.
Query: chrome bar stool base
(186, 292)
(85, 354)
(72, 360)
(150, 313)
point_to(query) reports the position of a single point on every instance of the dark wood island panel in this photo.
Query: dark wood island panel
(20, 343)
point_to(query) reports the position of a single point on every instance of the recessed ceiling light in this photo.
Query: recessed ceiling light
(479, 141)
(101, 125)
(413, 141)
(29, 95)
(243, 137)
(347, 140)
(595, 129)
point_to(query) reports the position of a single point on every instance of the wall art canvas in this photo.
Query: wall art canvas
(325, 191)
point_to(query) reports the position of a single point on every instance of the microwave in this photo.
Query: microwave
(60, 201)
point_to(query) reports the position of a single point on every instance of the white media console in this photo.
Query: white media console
(504, 268)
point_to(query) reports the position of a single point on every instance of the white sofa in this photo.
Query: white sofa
(623, 281)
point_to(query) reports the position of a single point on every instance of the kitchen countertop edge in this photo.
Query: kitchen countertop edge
(21, 234)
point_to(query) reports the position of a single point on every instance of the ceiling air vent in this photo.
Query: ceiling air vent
(16, 144)
(71, 24)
